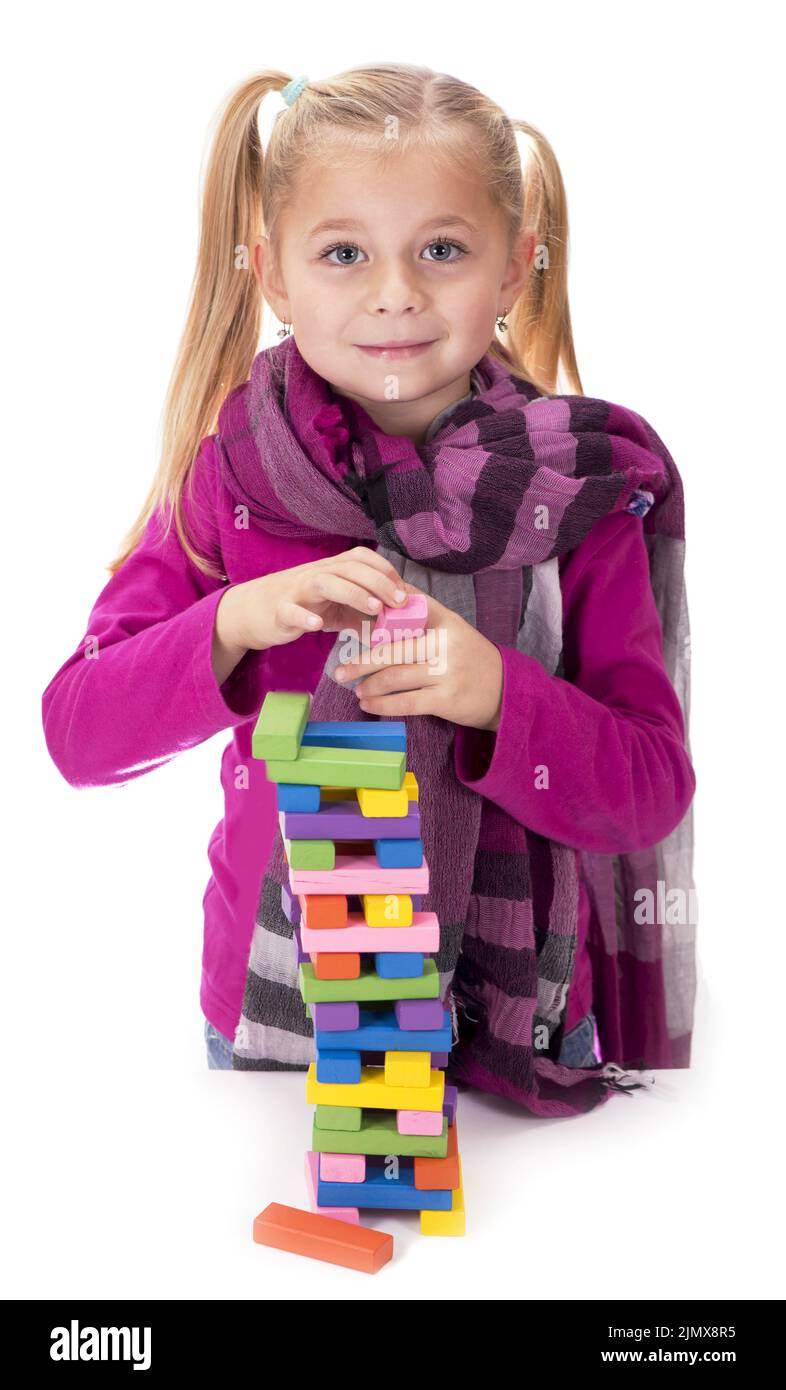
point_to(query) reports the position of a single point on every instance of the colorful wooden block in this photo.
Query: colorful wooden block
(408, 1069)
(398, 853)
(354, 733)
(310, 854)
(409, 619)
(420, 1122)
(336, 965)
(323, 1238)
(398, 965)
(377, 1031)
(342, 1067)
(422, 937)
(344, 820)
(279, 728)
(387, 1185)
(439, 1172)
(417, 1014)
(373, 802)
(335, 1167)
(446, 1223)
(335, 1018)
(323, 911)
(343, 767)
(451, 1104)
(359, 874)
(372, 1092)
(411, 786)
(290, 797)
(290, 905)
(378, 1134)
(350, 1214)
(388, 909)
(301, 956)
(339, 1117)
(368, 986)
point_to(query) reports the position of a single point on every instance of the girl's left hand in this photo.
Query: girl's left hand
(456, 676)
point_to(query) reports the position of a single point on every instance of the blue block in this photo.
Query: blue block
(398, 965)
(390, 734)
(343, 1067)
(291, 796)
(399, 854)
(381, 1191)
(378, 1031)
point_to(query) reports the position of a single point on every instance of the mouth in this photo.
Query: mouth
(407, 348)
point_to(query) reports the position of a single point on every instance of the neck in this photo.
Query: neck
(410, 418)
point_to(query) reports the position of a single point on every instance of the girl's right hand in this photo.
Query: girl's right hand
(338, 592)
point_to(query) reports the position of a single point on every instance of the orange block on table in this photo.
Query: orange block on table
(336, 965)
(431, 1173)
(324, 911)
(323, 1238)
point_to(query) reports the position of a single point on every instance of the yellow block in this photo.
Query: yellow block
(373, 1091)
(408, 1069)
(447, 1223)
(409, 785)
(374, 801)
(387, 909)
(410, 782)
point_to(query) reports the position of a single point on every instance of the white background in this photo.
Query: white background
(128, 1169)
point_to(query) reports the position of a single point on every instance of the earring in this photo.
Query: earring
(500, 321)
(282, 332)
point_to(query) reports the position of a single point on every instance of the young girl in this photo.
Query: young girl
(392, 444)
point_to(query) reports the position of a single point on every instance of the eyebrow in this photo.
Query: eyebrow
(344, 224)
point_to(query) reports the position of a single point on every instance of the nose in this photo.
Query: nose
(393, 289)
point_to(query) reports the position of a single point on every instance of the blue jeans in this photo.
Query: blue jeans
(577, 1046)
(219, 1049)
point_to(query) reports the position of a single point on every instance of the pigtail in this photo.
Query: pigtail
(539, 339)
(222, 331)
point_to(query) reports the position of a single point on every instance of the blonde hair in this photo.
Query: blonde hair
(246, 189)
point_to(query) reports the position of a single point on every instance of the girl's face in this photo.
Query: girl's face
(403, 252)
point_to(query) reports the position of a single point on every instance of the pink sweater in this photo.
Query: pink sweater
(611, 732)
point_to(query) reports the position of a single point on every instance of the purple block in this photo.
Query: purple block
(439, 1059)
(450, 1103)
(420, 1013)
(417, 902)
(344, 820)
(290, 905)
(335, 1017)
(301, 954)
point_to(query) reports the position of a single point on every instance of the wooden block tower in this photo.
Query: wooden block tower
(384, 1132)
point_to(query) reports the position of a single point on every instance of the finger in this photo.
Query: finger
(365, 555)
(382, 585)
(336, 588)
(399, 704)
(400, 652)
(411, 676)
(292, 617)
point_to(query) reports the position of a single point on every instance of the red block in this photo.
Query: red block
(323, 1238)
(324, 911)
(336, 965)
(432, 1173)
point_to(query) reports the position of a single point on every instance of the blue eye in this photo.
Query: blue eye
(352, 246)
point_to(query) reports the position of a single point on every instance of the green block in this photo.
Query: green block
(341, 767)
(369, 985)
(311, 854)
(279, 727)
(339, 1117)
(378, 1134)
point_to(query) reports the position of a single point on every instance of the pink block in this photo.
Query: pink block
(342, 1167)
(408, 617)
(350, 1214)
(360, 873)
(422, 936)
(419, 1121)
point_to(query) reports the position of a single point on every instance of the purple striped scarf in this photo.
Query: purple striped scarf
(478, 516)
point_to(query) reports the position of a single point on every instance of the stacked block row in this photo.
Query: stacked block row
(384, 1132)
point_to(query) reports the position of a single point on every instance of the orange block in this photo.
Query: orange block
(323, 1238)
(324, 911)
(336, 965)
(431, 1173)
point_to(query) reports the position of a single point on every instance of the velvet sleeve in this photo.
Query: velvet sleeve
(139, 686)
(594, 758)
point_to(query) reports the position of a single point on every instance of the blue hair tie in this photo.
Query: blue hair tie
(292, 91)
